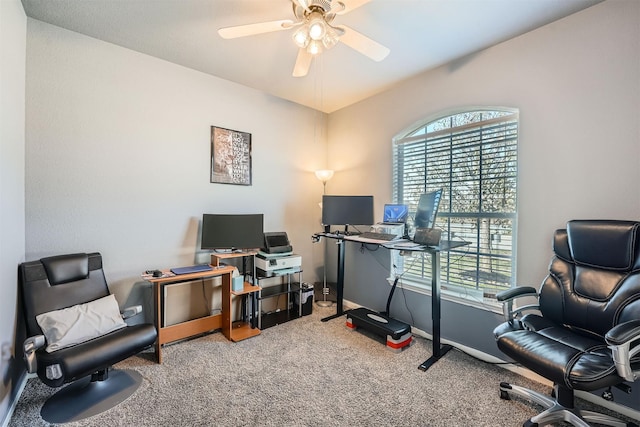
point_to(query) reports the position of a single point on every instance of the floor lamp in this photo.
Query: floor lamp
(324, 176)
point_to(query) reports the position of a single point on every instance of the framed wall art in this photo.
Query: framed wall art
(230, 156)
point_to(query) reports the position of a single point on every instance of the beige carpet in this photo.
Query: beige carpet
(303, 373)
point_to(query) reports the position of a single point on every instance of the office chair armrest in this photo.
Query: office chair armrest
(30, 346)
(508, 296)
(623, 342)
(131, 311)
(518, 291)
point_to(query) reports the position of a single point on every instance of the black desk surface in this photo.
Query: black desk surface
(400, 244)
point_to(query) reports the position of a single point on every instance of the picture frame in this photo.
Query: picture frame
(230, 156)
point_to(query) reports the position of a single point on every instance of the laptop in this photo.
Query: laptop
(395, 214)
(191, 269)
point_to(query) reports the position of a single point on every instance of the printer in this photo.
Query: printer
(271, 263)
(277, 256)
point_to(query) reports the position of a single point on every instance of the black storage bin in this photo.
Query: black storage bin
(307, 300)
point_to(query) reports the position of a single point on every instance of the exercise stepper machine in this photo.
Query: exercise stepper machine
(397, 334)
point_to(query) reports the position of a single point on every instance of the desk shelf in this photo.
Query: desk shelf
(279, 317)
(238, 330)
(248, 288)
(288, 288)
(281, 289)
(241, 330)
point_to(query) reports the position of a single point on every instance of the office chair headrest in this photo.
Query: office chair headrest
(561, 245)
(66, 268)
(611, 245)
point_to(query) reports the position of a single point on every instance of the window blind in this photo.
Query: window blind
(472, 156)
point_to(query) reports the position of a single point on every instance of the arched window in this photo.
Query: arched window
(471, 155)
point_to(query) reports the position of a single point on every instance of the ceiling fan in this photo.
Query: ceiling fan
(314, 31)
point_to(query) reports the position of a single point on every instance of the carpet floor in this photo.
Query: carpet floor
(303, 373)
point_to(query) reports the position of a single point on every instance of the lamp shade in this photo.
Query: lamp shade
(324, 175)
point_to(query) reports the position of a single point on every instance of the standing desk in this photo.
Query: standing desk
(439, 350)
(167, 334)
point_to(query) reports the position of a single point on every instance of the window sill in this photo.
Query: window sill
(455, 294)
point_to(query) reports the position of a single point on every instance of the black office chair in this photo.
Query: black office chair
(76, 282)
(585, 334)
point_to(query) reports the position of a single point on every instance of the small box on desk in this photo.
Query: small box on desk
(237, 283)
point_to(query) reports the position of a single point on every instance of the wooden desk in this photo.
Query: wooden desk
(167, 334)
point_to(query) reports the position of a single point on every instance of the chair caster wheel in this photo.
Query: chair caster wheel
(528, 423)
(504, 395)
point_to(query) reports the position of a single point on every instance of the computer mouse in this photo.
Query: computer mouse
(157, 273)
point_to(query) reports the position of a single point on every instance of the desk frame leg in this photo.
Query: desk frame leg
(158, 291)
(438, 350)
(340, 285)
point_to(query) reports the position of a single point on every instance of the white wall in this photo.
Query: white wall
(577, 85)
(13, 32)
(118, 157)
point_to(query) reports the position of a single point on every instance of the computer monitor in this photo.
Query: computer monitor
(232, 231)
(428, 209)
(347, 210)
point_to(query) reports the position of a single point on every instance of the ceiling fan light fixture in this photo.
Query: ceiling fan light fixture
(301, 37)
(317, 26)
(314, 31)
(315, 47)
(331, 38)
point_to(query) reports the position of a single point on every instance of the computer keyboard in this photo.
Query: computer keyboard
(378, 236)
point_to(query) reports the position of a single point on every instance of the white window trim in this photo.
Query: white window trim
(453, 292)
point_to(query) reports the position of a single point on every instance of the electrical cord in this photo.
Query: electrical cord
(368, 247)
(357, 229)
(204, 297)
(406, 304)
(398, 283)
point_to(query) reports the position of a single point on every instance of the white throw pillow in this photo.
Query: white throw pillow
(80, 323)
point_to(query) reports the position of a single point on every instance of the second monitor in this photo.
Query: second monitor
(347, 210)
(428, 209)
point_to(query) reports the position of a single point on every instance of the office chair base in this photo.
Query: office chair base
(555, 412)
(84, 398)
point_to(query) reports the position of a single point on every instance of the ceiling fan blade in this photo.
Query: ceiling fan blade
(349, 5)
(363, 44)
(258, 28)
(302, 3)
(303, 62)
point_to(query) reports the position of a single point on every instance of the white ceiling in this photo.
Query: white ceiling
(422, 34)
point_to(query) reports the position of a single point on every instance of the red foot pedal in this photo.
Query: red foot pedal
(397, 333)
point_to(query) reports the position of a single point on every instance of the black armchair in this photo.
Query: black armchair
(76, 333)
(585, 334)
